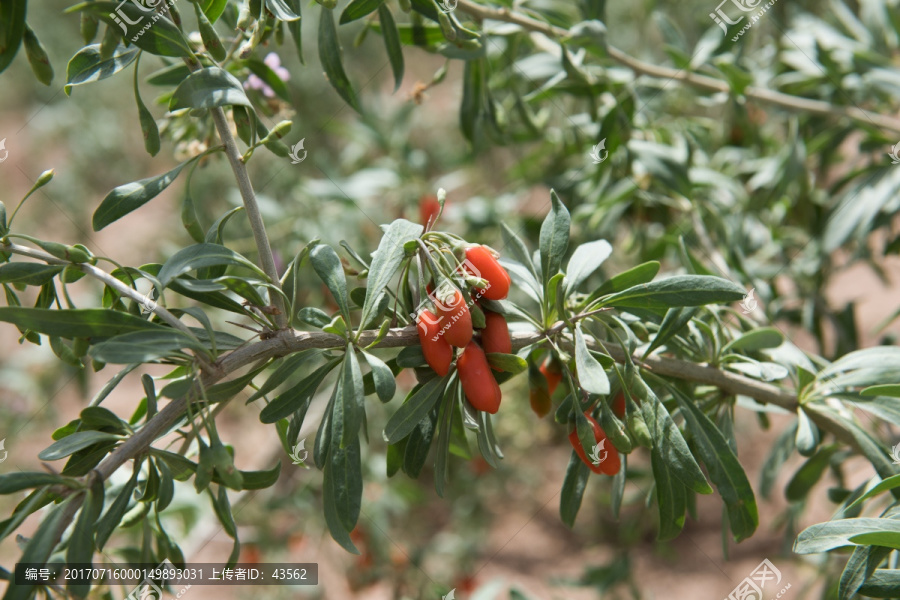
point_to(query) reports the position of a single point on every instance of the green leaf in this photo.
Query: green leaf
(75, 442)
(861, 565)
(671, 498)
(213, 9)
(257, 480)
(673, 322)
(330, 56)
(586, 259)
(113, 515)
(342, 493)
(17, 481)
(148, 124)
(41, 544)
(81, 540)
(385, 385)
(888, 484)
(888, 389)
(574, 484)
(591, 375)
(357, 9)
(809, 474)
(131, 196)
(418, 444)
(830, 535)
(296, 28)
(203, 255)
(517, 249)
(883, 583)
(37, 57)
(391, 42)
(668, 440)
(146, 29)
(416, 407)
(758, 339)
(75, 323)
(627, 279)
(781, 451)
(554, 238)
(288, 367)
(12, 29)
(88, 66)
(680, 290)
(724, 470)
(26, 273)
(349, 398)
(807, 433)
(293, 399)
(386, 262)
(143, 346)
(209, 88)
(282, 10)
(327, 265)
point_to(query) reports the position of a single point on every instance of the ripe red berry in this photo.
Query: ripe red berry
(495, 335)
(429, 207)
(618, 405)
(553, 373)
(478, 382)
(456, 322)
(609, 457)
(438, 353)
(482, 263)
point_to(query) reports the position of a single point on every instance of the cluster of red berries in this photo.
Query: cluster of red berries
(451, 326)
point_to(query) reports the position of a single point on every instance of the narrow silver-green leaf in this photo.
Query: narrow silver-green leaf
(73, 443)
(131, 196)
(416, 407)
(88, 66)
(330, 56)
(327, 265)
(554, 238)
(386, 262)
(591, 375)
(209, 88)
(680, 290)
(391, 42)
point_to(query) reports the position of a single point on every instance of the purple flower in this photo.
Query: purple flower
(273, 61)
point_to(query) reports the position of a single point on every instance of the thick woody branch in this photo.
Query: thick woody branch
(711, 84)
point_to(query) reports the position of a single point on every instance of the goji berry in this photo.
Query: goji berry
(609, 463)
(437, 351)
(478, 382)
(456, 321)
(485, 265)
(618, 405)
(495, 335)
(552, 372)
(429, 207)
